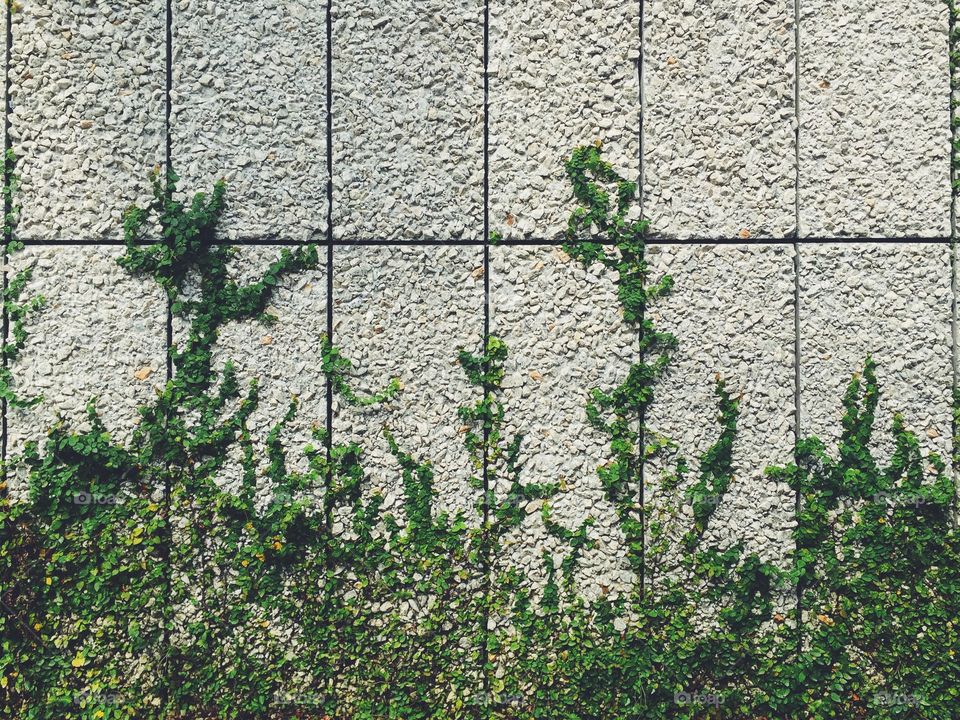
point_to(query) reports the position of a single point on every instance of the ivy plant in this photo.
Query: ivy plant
(198, 571)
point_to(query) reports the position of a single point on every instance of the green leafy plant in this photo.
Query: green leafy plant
(336, 367)
(193, 572)
(15, 311)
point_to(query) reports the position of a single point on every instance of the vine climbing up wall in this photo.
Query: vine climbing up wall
(416, 414)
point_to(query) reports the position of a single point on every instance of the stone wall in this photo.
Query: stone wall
(795, 167)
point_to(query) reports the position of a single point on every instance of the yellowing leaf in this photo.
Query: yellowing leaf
(79, 661)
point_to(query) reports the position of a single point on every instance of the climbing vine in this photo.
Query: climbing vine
(196, 571)
(16, 312)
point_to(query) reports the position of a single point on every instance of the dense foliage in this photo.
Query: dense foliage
(188, 574)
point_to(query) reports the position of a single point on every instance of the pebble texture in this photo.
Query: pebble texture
(743, 329)
(562, 74)
(405, 313)
(893, 302)
(720, 159)
(875, 118)
(102, 333)
(719, 138)
(564, 330)
(282, 357)
(249, 104)
(87, 92)
(408, 119)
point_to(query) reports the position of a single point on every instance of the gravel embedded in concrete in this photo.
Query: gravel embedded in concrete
(891, 301)
(87, 91)
(249, 105)
(408, 119)
(249, 102)
(102, 334)
(565, 333)
(875, 118)
(719, 140)
(283, 357)
(405, 313)
(732, 312)
(562, 74)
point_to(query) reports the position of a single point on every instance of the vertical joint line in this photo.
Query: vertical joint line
(641, 420)
(486, 559)
(7, 208)
(329, 234)
(953, 70)
(168, 149)
(486, 223)
(643, 107)
(952, 58)
(796, 287)
(168, 167)
(167, 482)
(797, 500)
(796, 117)
(641, 463)
(168, 160)
(952, 50)
(328, 440)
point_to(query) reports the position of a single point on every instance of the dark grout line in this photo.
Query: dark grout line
(953, 157)
(797, 427)
(169, 87)
(7, 210)
(797, 232)
(330, 233)
(643, 98)
(953, 48)
(797, 500)
(486, 559)
(107, 242)
(167, 489)
(641, 419)
(168, 159)
(556, 241)
(792, 240)
(654, 240)
(328, 440)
